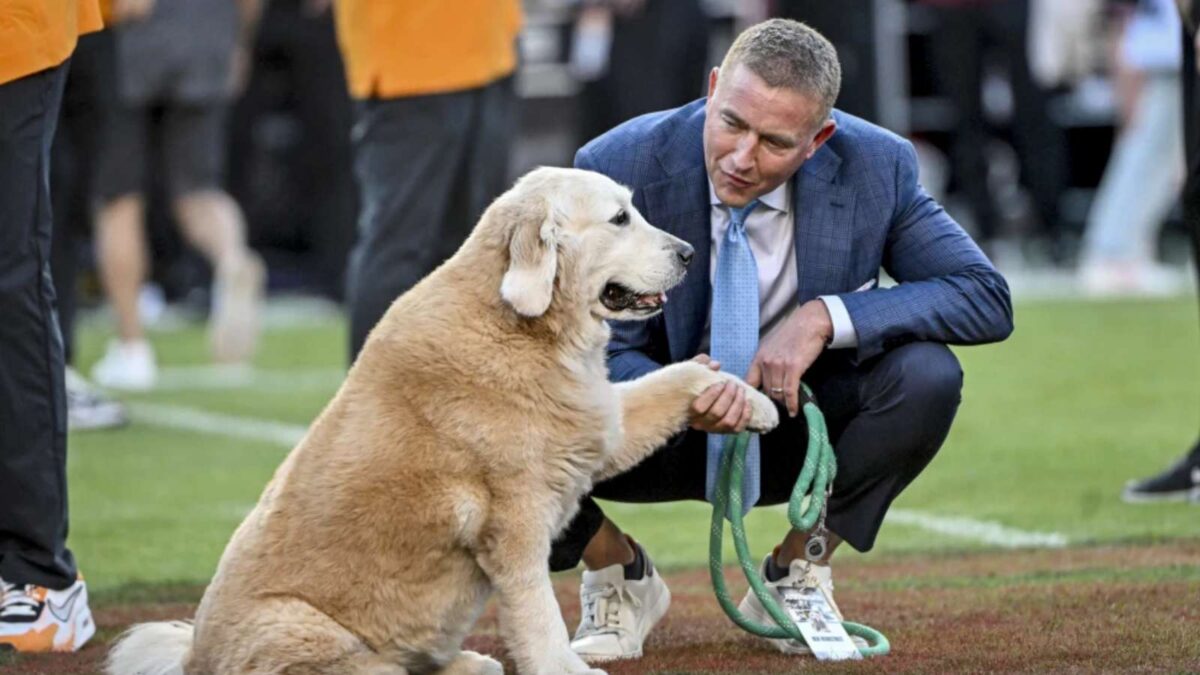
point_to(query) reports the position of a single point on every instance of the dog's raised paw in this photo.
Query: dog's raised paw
(764, 416)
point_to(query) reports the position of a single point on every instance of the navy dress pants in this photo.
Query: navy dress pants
(887, 417)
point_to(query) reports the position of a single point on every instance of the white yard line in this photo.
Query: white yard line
(288, 435)
(217, 424)
(983, 531)
(191, 378)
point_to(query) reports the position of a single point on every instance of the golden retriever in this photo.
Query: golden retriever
(477, 415)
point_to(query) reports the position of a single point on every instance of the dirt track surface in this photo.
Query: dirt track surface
(1109, 609)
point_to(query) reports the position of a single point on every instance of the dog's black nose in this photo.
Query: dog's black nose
(685, 253)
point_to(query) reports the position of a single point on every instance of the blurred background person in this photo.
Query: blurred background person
(290, 132)
(1142, 178)
(434, 125)
(635, 57)
(971, 36)
(179, 63)
(1182, 479)
(87, 98)
(37, 570)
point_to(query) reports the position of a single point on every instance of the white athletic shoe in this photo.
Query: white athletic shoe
(618, 613)
(38, 619)
(89, 408)
(126, 365)
(237, 309)
(801, 574)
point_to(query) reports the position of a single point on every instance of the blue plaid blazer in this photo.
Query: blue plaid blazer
(858, 208)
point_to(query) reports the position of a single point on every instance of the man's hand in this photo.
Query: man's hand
(787, 352)
(722, 408)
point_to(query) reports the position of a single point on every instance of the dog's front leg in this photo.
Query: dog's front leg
(515, 558)
(657, 405)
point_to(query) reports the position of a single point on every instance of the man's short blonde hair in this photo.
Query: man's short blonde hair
(786, 53)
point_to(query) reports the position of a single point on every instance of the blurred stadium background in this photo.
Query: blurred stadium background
(1087, 394)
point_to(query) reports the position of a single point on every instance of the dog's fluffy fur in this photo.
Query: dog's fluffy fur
(477, 415)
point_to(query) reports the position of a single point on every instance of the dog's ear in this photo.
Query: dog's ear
(528, 285)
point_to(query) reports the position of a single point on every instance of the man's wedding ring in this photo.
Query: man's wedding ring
(776, 390)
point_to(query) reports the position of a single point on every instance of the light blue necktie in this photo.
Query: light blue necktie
(734, 337)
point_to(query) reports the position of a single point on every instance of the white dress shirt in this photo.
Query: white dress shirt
(770, 228)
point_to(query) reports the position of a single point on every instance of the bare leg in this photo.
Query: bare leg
(121, 258)
(609, 546)
(213, 223)
(793, 545)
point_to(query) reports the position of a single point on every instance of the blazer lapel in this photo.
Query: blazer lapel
(824, 217)
(679, 205)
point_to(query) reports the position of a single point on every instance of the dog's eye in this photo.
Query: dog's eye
(622, 218)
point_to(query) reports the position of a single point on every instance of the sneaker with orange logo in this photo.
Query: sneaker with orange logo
(39, 619)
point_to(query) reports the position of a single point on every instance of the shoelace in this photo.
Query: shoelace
(18, 602)
(602, 606)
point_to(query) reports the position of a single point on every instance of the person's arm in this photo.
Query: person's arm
(131, 10)
(249, 12)
(948, 290)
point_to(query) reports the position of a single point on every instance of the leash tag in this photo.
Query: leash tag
(819, 624)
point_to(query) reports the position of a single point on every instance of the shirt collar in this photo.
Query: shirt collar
(776, 199)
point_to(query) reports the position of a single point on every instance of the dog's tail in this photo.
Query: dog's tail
(159, 648)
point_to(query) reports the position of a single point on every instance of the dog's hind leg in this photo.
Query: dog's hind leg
(472, 663)
(360, 664)
(288, 635)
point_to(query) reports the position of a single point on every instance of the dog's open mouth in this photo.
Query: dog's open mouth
(620, 298)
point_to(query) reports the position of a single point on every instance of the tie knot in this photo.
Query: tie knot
(738, 214)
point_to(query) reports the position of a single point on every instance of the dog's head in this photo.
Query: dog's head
(620, 265)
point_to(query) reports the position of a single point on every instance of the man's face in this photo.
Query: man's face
(756, 136)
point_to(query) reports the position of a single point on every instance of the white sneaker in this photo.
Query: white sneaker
(126, 365)
(237, 309)
(38, 619)
(618, 613)
(801, 574)
(89, 408)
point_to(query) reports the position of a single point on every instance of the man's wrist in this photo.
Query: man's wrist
(821, 321)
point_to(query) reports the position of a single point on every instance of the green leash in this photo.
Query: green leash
(805, 509)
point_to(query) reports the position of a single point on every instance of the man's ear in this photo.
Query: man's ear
(828, 127)
(528, 285)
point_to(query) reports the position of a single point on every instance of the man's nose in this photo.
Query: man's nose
(743, 155)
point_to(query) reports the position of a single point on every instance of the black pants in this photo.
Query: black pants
(89, 97)
(887, 418)
(427, 167)
(966, 39)
(33, 412)
(658, 60)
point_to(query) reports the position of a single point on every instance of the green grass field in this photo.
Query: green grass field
(1083, 397)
